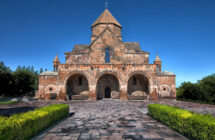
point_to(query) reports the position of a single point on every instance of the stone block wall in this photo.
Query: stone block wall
(166, 86)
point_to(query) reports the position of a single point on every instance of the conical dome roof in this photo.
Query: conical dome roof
(56, 60)
(106, 17)
(157, 58)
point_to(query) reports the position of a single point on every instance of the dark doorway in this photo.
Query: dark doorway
(107, 92)
(105, 85)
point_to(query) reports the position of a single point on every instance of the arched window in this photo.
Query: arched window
(107, 55)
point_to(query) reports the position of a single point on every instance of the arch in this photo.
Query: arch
(138, 83)
(164, 90)
(76, 83)
(74, 73)
(50, 88)
(106, 84)
(50, 91)
(137, 72)
(118, 77)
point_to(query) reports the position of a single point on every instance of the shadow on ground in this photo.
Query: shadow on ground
(15, 110)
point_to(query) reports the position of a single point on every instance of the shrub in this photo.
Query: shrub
(192, 125)
(188, 90)
(202, 91)
(23, 126)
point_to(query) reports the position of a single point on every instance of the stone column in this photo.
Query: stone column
(61, 93)
(92, 92)
(123, 93)
(153, 92)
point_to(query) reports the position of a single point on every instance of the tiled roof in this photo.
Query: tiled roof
(48, 73)
(165, 73)
(135, 46)
(80, 48)
(56, 60)
(157, 58)
(106, 17)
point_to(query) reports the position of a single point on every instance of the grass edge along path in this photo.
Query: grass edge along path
(190, 124)
(24, 126)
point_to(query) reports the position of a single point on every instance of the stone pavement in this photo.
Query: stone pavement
(109, 119)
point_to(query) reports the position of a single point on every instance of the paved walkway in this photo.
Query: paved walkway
(108, 119)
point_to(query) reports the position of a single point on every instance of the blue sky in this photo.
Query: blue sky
(181, 31)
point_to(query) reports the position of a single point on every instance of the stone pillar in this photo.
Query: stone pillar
(173, 92)
(123, 93)
(40, 93)
(92, 92)
(153, 92)
(61, 93)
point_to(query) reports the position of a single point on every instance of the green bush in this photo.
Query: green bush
(192, 125)
(24, 126)
(202, 91)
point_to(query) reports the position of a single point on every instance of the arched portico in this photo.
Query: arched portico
(106, 85)
(76, 84)
(138, 85)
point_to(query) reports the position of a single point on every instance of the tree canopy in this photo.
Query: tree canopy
(203, 90)
(22, 81)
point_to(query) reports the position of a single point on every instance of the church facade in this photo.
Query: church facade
(106, 68)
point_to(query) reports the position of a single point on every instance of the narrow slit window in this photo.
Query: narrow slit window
(107, 55)
(80, 81)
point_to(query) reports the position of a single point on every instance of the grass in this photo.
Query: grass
(193, 125)
(7, 102)
(24, 126)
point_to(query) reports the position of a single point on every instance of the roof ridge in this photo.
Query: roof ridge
(105, 18)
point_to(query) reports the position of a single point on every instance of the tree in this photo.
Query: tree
(6, 80)
(203, 90)
(24, 82)
(188, 90)
(41, 70)
(207, 85)
(32, 69)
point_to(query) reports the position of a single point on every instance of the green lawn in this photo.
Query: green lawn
(7, 102)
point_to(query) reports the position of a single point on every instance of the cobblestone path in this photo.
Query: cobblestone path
(109, 119)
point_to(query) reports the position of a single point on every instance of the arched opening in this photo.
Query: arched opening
(106, 85)
(138, 86)
(164, 91)
(107, 55)
(107, 92)
(77, 87)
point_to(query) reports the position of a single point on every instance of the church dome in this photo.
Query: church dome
(105, 18)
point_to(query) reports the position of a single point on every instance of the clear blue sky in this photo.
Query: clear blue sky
(182, 31)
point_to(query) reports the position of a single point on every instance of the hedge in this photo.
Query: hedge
(24, 126)
(192, 125)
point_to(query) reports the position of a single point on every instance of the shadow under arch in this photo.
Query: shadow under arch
(76, 83)
(105, 85)
(138, 82)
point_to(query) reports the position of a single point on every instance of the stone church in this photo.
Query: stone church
(106, 68)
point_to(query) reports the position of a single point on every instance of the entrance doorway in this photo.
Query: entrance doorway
(106, 84)
(107, 92)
